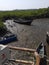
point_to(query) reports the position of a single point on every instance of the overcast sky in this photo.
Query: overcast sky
(23, 4)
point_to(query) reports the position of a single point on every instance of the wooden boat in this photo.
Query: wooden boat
(42, 52)
(25, 22)
(41, 49)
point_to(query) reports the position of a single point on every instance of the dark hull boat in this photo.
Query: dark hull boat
(25, 22)
(42, 52)
(8, 39)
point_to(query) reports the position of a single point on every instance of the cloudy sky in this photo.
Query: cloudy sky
(23, 4)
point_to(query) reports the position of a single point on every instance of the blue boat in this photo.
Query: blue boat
(8, 38)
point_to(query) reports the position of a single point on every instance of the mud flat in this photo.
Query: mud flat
(30, 36)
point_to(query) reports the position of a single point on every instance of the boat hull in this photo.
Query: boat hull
(8, 40)
(24, 22)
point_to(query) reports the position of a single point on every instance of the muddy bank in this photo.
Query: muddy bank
(30, 36)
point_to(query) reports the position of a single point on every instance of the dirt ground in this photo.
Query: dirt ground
(30, 37)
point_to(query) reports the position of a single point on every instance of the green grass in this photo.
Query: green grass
(22, 13)
(1, 25)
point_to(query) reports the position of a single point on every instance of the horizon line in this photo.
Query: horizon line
(23, 9)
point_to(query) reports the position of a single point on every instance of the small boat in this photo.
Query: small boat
(41, 49)
(7, 39)
(42, 52)
(25, 22)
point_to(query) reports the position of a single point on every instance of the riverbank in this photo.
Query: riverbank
(3, 29)
(30, 37)
(25, 14)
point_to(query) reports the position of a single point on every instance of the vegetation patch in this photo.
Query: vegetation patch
(25, 14)
(1, 25)
(3, 29)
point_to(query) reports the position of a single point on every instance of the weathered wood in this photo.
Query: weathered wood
(37, 60)
(47, 60)
(22, 49)
(22, 61)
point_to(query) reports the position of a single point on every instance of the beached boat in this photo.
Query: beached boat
(25, 22)
(7, 39)
(41, 49)
(38, 59)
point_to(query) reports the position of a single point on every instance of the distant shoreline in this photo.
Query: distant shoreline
(26, 14)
